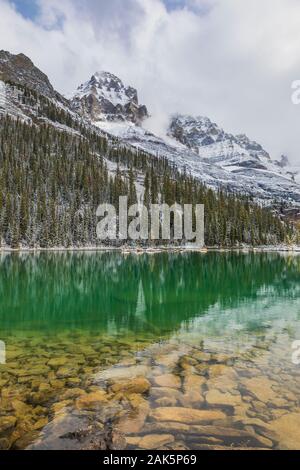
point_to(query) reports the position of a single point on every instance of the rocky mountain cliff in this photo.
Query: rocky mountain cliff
(231, 152)
(20, 70)
(105, 98)
(208, 140)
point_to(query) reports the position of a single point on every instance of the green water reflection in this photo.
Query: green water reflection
(112, 291)
(208, 332)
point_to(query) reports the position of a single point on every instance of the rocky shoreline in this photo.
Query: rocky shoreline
(155, 250)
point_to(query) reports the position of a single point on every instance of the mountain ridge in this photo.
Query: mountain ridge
(195, 146)
(57, 166)
(218, 158)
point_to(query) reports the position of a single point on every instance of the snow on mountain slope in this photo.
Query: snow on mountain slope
(105, 97)
(15, 102)
(27, 94)
(20, 70)
(9, 102)
(264, 184)
(194, 144)
(295, 172)
(226, 150)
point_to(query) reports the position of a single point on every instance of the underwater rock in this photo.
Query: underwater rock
(66, 372)
(152, 441)
(261, 388)
(216, 398)
(59, 407)
(21, 408)
(192, 399)
(168, 360)
(7, 423)
(186, 415)
(25, 440)
(91, 401)
(162, 392)
(166, 427)
(166, 401)
(57, 362)
(133, 422)
(202, 356)
(168, 380)
(217, 370)
(5, 443)
(41, 423)
(136, 385)
(73, 382)
(193, 382)
(72, 393)
(57, 384)
(288, 429)
(119, 373)
(259, 440)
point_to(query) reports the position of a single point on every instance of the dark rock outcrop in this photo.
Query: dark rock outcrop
(19, 69)
(105, 98)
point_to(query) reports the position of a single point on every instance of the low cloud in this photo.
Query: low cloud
(234, 61)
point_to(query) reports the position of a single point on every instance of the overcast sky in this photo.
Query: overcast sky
(232, 60)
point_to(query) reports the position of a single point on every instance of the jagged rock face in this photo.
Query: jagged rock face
(20, 70)
(235, 153)
(105, 98)
(208, 140)
(195, 132)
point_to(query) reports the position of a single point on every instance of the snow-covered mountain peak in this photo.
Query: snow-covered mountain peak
(200, 131)
(105, 98)
(108, 86)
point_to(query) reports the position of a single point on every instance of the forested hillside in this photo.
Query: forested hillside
(52, 182)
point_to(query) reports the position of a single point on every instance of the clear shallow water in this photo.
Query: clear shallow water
(152, 351)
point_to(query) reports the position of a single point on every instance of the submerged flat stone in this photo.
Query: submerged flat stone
(169, 427)
(134, 422)
(192, 399)
(288, 429)
(217, 398)
(220, 369)
(186, 415)
(261, 388)
(168, 380)
(159, 392)
(116, 373)
(151, 441)
(193, 382)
